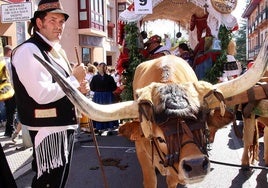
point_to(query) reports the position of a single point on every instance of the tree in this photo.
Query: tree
(240, 38)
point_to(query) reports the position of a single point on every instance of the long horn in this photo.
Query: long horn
(249, 78)
(97, 112)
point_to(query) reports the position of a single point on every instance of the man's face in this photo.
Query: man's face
(51, 26)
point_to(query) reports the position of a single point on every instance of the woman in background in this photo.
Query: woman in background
(103, 86)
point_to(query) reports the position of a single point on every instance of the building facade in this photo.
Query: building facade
(91, 29)
(256, 14)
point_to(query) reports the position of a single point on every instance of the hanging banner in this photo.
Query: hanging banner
(143, 6)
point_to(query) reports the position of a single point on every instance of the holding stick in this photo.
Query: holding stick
(77, 57)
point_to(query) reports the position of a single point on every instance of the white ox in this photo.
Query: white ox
(171, 106)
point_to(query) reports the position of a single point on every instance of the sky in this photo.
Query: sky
(169, 28)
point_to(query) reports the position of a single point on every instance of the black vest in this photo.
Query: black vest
(28, 108)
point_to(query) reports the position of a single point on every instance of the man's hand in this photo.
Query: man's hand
(84, 87)
(79, 72)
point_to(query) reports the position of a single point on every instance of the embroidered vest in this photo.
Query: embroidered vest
(58, 113)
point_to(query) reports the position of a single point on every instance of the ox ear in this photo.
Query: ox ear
(145, 93)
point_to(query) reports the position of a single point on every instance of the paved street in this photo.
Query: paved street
(123, 169)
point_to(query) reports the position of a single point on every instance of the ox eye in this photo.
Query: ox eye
(161, 140)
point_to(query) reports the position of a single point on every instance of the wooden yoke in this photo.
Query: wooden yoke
(260, 91)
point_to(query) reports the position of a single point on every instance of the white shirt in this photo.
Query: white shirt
(35, 77)
(166, 47)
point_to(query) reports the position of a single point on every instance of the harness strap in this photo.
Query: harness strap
(264, 87)
(251, 104)
(218, 96)
(152, 144)
(159, 154)
(186, 129)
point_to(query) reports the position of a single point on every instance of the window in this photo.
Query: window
(4, 40)
(86, 55)
(109, 60)
(109, 14)
(110, 25)
(83, 14)
(97, 14)
(121, 7)
(91, 14)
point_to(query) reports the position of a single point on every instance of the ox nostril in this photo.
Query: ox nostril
(186, 167)
(196, 167)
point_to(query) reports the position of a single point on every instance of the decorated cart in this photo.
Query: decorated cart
(209, 23)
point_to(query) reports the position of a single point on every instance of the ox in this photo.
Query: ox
(250, 129)
(171, 107)
(250, 133)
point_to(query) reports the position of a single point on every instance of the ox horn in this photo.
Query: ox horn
(94, 111)
(249, 78)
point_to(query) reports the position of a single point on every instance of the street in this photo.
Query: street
(122, 168)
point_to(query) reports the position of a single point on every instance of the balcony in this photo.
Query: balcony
(261, 18)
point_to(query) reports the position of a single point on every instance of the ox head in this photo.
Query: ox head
(172, 118)
(172, 112)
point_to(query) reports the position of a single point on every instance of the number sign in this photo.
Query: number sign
(143, 6)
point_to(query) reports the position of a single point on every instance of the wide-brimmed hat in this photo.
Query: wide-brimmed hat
(53, 6)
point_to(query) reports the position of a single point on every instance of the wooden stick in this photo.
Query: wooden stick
(77, 57)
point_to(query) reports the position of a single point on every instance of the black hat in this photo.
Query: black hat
(53, 6)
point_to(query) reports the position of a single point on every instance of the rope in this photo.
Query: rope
(241, 166)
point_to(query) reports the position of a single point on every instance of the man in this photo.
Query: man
(42, 105)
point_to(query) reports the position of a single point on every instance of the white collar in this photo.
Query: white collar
(55, 45)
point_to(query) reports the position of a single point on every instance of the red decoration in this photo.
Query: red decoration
(201, 24)
(121, 32)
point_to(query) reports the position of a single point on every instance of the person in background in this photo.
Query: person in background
(103, 86)
(95, 63)
(42, 105)
(154, 47)
(185, 53)
(91, 71)
(120, 86)
(10, 104)
(6, 176)
(231, 68)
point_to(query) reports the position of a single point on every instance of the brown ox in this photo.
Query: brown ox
(171, 105)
